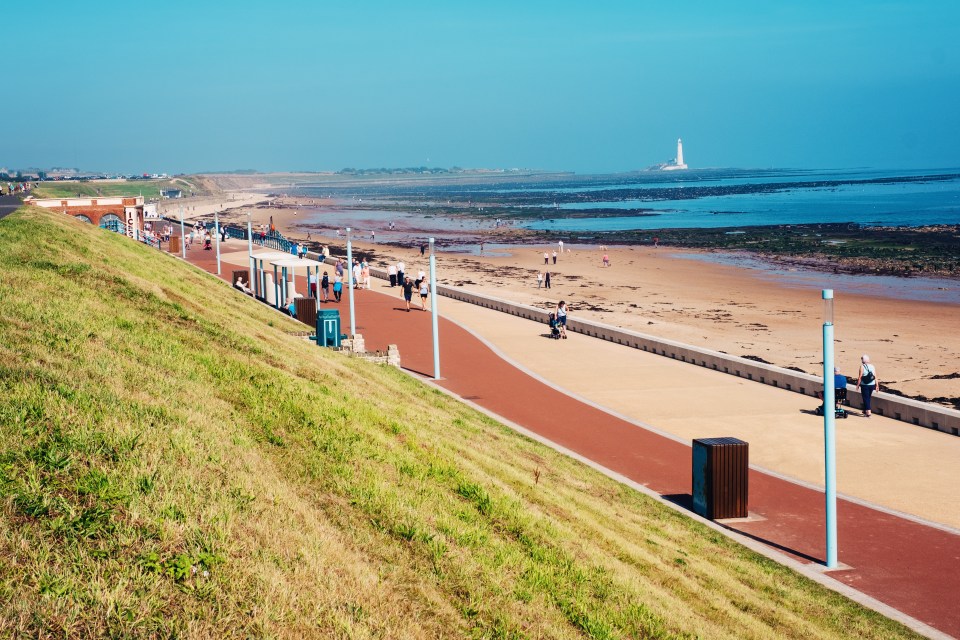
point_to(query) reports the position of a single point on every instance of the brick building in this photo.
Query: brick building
(118, 212)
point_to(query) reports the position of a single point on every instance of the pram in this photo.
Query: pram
(554, 326)
(840, 398)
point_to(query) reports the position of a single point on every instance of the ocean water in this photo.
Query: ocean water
(836, 197)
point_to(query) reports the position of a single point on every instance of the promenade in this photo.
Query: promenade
(502, 364)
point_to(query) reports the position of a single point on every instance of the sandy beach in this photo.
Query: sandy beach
(914, 344)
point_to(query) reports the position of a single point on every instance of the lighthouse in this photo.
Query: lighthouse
(678, 163)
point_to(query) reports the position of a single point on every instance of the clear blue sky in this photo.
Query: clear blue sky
(589, 87)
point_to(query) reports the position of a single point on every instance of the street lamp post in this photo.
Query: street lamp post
(829, 431)
(353, 323)
(253, 263)
(433, 309)
(183, 237)
(216, 225)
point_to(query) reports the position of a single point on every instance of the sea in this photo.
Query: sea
(723, 198)
(693, 198)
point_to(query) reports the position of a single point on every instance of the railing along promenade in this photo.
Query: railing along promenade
(886, 404)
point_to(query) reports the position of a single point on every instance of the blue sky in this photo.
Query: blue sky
(588, 87)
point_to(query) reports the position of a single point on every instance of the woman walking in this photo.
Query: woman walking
(867, 382)
(562, 318)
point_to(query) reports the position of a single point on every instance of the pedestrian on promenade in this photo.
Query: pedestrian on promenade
(339, 268)
(539, 279)
(554, 257)
(337, 287)
(424, 291)
(546, 280)
(407, 291)
(357, 275)
(562, 318)
(325, 286)
(400, 268)
(392, 271)
(365, 273)
(867, 382)
(312, 282)
(546, 258)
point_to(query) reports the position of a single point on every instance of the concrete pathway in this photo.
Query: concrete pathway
(910, 566)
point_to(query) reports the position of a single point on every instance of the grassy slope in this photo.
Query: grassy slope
(174, 463)
(86, 188)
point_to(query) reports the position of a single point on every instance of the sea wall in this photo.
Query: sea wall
(921, 414)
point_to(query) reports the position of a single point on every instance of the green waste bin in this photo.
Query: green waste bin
(328, 328)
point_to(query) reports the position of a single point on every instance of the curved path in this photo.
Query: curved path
(909, 566)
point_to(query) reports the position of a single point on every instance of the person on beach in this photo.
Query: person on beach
(546, 280)
(424, 291)
(539, 279)
(560, 245)
(606, 260)
(423, 249)
(656, 241)
(554, 257)
(407, 291)
(562, 318)
(337, 287)
(392, 271)
(867, 382)
(325, 286)
(546, 258)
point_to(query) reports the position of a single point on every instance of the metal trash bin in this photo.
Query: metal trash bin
(720, 474)
(328, 328)
(306, 310)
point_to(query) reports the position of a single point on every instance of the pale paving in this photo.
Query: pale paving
(882, 461)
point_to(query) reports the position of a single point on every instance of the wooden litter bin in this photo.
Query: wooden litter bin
(720, 473)
(174, 244)
(306, 310)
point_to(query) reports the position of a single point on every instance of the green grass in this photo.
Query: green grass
(175, 463)
(150, 189)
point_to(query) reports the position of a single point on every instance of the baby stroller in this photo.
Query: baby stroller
(554, 326)
(840, 398)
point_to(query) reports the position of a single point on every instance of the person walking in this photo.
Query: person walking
(407, 291)
(867, 382)
(424, 292)
(546, 258)
(539, 279)
(546, 280)
(554, 257)
(337, 287)
(312, 281)
(560, 245)
(325, 286)
(562, 318)
(392, 271)
(400, 268)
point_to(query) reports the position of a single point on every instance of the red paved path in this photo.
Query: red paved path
(909, 566)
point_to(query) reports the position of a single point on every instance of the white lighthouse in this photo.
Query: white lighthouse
(678, 162)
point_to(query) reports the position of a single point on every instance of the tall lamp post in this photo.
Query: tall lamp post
(829, 431)
(253, 263)
(353, 323)
(216, 226)
(433, 309)
(183, 237)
